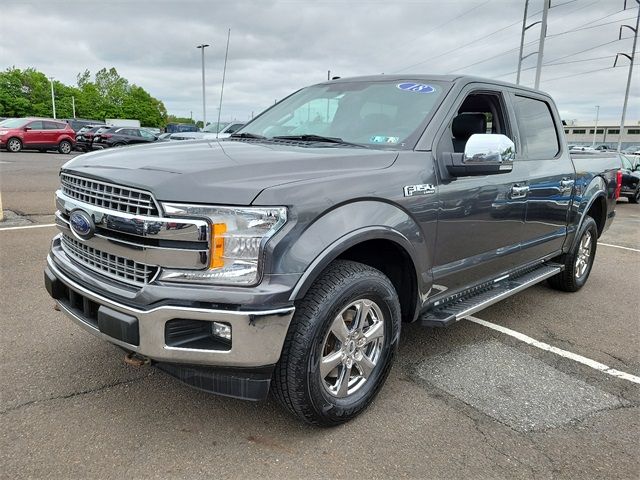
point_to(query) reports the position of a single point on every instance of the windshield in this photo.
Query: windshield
(215, 127)
(384, 114)
(14, 122)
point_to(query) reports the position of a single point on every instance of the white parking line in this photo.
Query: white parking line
(29, 226)
(618, 246)
(558, 351)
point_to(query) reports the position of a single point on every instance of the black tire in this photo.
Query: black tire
(298, 384)
(14, 145)
(571, 279)
(65, 147)
(118, 145)
(635, 198)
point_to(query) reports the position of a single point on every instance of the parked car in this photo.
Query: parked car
(121, 136)
(181, 127)
(79, 123)
(210, 132)
(582, 148)
(165, 136)
(630, 178)
(38, 134)
(289, 258)
(84, 138)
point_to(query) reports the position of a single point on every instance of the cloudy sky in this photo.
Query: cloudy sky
(279, 46)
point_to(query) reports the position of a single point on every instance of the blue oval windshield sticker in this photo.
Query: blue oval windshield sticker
(416, 87)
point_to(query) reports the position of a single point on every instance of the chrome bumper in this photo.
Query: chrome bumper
(257, 336)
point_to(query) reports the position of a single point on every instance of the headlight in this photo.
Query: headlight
(237, 237)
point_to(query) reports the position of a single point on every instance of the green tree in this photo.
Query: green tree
(108, 95)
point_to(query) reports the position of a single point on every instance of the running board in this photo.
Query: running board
(448, 313)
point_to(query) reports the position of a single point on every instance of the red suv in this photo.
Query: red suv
(36, 133)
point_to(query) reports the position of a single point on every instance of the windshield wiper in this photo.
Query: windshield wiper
(246, 135)
(317, 138)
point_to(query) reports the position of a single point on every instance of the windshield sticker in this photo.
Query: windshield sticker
(383, 139)
(416, 87)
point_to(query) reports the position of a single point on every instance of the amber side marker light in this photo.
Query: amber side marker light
(217, 245)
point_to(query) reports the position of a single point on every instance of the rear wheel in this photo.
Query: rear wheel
(340, 345)
(14, 145)
(65, 147)
(579, 261)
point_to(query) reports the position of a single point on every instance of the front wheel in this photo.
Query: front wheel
(579, 261)
(635, 198)
(340, 345)
(65, 147)
(14, 145)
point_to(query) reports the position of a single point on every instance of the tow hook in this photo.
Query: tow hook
(135, 360)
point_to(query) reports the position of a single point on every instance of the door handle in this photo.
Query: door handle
(566, 184)
(519, 191)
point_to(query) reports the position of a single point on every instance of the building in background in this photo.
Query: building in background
(580, 133)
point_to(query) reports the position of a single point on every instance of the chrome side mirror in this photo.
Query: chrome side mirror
(484, 154)
(489, 148)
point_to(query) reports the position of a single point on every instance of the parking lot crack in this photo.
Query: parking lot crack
(73, 394)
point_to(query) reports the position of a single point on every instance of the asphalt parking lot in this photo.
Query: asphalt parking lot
(469, 401)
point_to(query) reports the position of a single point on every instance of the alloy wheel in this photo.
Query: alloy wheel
(352, 348)
(14, 145)
(584, 255)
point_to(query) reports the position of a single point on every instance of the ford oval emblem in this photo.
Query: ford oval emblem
(81, 224)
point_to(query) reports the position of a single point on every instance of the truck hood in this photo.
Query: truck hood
(226, 172)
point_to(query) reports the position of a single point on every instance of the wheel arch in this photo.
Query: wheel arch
(593, 203)
(379, 247)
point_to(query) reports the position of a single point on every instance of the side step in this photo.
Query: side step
(459, 308)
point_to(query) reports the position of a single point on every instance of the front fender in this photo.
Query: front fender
(345, 226)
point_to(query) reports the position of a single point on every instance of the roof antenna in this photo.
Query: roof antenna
(224, 73)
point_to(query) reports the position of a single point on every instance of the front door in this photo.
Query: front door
(35, 135)
(480, 218)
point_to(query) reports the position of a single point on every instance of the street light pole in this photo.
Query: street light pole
(595, 130)
(53, 98)
(204, 106)
(73, 105)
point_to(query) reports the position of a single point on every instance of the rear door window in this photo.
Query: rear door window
(53, 126)
(538, 133)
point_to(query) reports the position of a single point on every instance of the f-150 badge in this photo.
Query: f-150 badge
(422, 189)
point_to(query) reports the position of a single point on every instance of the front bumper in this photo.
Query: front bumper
(257, 337)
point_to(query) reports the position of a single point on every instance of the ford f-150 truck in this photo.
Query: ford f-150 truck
(288, 256)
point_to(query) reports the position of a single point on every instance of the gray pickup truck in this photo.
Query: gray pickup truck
(288, 255)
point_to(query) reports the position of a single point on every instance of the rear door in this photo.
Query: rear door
(550, 172)
(53, 132)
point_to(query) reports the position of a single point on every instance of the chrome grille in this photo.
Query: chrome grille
(109, 196)
(118, 268)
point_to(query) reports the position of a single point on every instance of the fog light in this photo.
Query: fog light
(221, 330)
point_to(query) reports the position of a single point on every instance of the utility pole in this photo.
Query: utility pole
(524, 29)
(224, 73)
(631, 61)
(595, 130)
(53, 98)
(73, 105)
(204, 104)
(543, 34)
